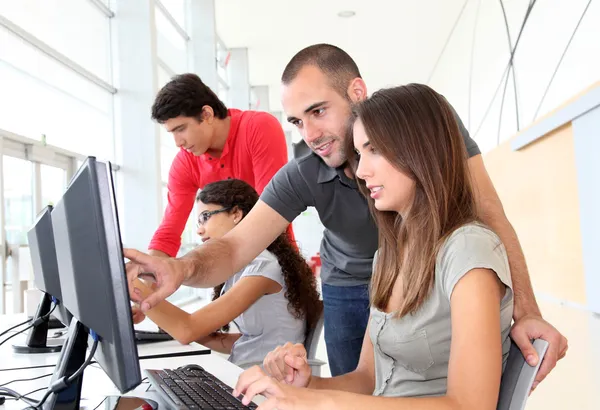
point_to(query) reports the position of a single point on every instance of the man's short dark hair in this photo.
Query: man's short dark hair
(185, 95)
(334, 62)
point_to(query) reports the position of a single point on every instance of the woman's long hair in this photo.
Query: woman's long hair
(301, 287)
(416, 130)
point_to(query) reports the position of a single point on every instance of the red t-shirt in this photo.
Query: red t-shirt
(254, 151)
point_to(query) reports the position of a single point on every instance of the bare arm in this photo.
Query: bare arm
(474, 371)
(215, 261)
(490, 210)
(361, 380)
(155, 252)
(220, 342)
(186, 327)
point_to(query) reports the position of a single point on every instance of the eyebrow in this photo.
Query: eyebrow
(176, 128)
(366, 144)
(309, 109)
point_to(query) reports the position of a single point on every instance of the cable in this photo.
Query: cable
(100, 404)
(447, 41)
(508, 65)
(560, 61)
(15, 326)
(471, 63)
(5, 391)
(62, 383)
(36, 322)
(512, 66)
(26, 380)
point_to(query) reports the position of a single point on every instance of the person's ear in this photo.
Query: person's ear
(237, 215)
(208, 114)
(357, 90)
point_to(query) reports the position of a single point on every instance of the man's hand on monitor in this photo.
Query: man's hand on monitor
(168, 275)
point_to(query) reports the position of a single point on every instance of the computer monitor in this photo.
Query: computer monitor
(47, 280)
(93, 284)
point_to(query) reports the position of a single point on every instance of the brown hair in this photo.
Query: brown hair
(415, 129)
(185, 95)
(334, 62)
(301, 287)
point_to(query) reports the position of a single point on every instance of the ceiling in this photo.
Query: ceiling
(392, 41)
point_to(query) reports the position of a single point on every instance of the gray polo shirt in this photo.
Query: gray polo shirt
(350, 235)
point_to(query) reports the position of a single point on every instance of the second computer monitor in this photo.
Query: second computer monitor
(92, 269)
(43, 258)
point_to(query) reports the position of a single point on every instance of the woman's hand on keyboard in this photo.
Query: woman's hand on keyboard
(288, 364)
(279, 396)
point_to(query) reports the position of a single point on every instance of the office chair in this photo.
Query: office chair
(518, 377)
(310, 344)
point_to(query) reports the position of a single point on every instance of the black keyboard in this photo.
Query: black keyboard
(194, 388)
(149, 336)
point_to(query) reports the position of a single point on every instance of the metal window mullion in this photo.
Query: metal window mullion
(55, 55)
(37, 188)
(3, 245)
(165, 66)
(103, 8)
(172, 20)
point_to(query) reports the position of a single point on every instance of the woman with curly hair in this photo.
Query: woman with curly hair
(273, 300)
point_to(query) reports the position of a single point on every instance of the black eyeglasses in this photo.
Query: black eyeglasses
(205, 216)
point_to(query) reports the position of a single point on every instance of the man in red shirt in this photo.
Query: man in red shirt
(216, 144)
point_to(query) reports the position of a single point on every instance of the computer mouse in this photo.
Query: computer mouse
(193, 367)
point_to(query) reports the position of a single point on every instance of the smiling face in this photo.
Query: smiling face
(390, 188)
(214, 221)
(190, 134)
(319, 112)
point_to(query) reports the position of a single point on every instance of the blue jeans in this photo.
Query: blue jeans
(346, 311)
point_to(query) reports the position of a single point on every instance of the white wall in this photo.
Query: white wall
(472, 66)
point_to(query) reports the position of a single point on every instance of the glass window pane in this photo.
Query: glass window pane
(42, 97)
(54, 183)
(176, 9)
(171, 47)
(18, 199)
(163, 77)
(167, 154)
(75, 28)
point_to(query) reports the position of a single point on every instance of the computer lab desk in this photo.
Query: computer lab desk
(96, 384)
(11, 360)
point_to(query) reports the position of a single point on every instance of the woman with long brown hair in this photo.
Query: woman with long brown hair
(441, 297)
(272, 301)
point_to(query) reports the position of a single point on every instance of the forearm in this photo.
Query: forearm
(353, 382)
(208, 265)
(525, 303)
(155, 252)
(220, 342)
(351, 401)
(173, 320)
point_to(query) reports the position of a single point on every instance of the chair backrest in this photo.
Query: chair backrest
(518, 376)
(312, 338)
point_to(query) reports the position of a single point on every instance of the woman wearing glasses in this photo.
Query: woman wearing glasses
(273, 300)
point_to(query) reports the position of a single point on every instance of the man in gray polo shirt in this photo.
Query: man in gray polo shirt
(319, 85)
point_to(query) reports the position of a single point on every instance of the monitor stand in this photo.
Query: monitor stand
(72, 357)
(37, 337)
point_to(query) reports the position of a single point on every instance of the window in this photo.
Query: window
(74, 28)
(41, 97)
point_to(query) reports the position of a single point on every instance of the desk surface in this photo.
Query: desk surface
(96, 384)
(11, 360)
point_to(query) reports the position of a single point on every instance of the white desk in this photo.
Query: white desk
(96, 384)
(12, 360)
